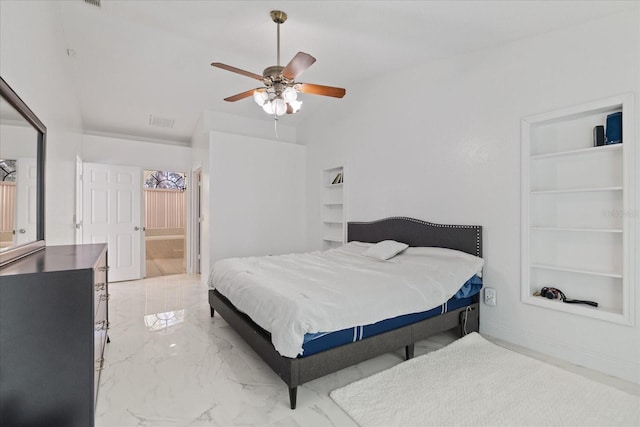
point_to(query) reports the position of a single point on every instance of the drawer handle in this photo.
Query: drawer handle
(102, 325)
(104, 268)
(100, 286)
(104, 297)
(100, 364)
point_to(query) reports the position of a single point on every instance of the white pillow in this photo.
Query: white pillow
(385, 250)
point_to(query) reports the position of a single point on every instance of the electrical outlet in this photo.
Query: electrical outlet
(490, 296)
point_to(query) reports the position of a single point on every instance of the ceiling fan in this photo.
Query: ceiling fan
(280, 92)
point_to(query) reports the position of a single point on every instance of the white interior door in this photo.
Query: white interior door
(112, 214)
(26, 200)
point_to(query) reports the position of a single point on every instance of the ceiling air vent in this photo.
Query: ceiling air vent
(161, 122)
(93, 2)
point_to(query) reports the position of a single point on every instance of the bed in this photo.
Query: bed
(322, 358)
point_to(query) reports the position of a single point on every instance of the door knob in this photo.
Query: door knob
(22, 231)
(136, 228)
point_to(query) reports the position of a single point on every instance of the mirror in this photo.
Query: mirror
(22, 137)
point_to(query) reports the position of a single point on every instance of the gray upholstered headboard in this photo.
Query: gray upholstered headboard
(414, 232)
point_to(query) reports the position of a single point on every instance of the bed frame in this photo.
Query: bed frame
(297, 371)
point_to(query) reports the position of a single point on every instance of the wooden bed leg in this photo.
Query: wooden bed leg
(293, 394)
(211, 308)
(408, 351)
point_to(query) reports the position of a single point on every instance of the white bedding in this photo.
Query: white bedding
(291, 295)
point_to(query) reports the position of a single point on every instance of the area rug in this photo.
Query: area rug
(473, 382)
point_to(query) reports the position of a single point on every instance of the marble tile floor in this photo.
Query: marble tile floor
(164, 266)
(170, 364)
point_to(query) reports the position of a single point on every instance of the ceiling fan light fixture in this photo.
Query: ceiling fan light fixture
(268, 107)
(295, 106)
(260, 96)
(289, 94)
(279, 106)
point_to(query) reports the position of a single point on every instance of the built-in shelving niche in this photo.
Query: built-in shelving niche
(578, 210)
(333, 208)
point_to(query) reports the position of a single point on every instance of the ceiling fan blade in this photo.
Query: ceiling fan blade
(336, 92)
(297, 65)
(242, 95)
(236, 70)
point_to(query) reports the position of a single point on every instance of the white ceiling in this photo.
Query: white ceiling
(134, 59)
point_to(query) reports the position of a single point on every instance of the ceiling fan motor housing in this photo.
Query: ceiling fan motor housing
(273, 78)
(273, 73)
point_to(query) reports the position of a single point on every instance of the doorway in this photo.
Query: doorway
(165, 201)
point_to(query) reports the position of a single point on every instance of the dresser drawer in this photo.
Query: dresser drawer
(101, 319)
(100, 285)
(99, 340)
(100, 300)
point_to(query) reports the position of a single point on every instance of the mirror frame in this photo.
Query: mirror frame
(17, 252)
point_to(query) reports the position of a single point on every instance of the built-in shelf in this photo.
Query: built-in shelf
(576, 190)
(574, 202)
(600, 312)
(576, 270)
(590, 150)
(332, 207)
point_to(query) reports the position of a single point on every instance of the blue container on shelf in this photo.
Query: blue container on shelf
(614, 128)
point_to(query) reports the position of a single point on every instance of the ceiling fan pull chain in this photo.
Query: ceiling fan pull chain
(275, 125)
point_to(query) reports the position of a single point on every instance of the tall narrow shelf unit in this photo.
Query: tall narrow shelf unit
(578, 207)
(332, 209)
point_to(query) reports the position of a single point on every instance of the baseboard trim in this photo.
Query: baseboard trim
(624, 369)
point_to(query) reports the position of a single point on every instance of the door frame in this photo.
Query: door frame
(193, 235)
(188, 210)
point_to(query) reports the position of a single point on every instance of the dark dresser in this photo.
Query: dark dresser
(53, 330)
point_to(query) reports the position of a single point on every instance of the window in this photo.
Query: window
(7, 170)
(165, 180)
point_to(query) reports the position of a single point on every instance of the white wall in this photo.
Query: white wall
(17, 141)
(257, 196)
(34, 63)
(230, 123)
(244, 171)
(441, 142)
(130, 152)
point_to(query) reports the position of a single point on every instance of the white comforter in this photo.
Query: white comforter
(291, 295)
